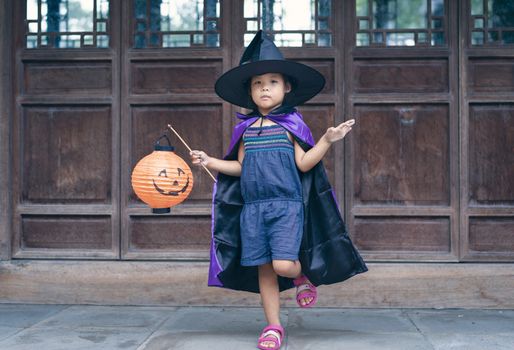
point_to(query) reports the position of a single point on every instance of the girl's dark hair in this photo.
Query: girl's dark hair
(288, 79)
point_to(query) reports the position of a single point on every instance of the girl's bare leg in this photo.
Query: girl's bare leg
(268, 284)
(291, 269)
(287, 268)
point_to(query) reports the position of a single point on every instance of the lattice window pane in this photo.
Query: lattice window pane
(176, 23)
(422, 37)
(492, 22)
(101, 27)
(400, 22)
(67, 23)
(477, 7)
(362, 7)
(437, 7)
(291, 23)
(478, 38)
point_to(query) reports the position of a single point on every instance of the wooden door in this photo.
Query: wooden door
(401, 86)
(169, 66)
(65, 140)
(487, 131)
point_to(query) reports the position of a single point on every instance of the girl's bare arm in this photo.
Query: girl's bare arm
(228, 167)
(305, 161)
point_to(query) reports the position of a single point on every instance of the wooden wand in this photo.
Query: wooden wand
(190, 150)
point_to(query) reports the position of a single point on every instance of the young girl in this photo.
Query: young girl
(268, 206)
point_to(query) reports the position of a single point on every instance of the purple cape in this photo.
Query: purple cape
(327, 254)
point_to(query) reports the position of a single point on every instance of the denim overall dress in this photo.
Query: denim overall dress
(272, 215)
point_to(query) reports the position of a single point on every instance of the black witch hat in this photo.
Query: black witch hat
(260, 57)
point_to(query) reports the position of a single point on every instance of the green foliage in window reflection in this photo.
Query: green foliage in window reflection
(477, 7)
(399, 14)
(438, 7)
(501, 13)
(361, 7)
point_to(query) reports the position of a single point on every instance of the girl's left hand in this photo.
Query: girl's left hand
(334, 134)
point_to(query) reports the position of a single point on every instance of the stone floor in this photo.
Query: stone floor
(71, 327)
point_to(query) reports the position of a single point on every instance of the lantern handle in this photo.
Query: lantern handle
(189, 148)
(164, 136)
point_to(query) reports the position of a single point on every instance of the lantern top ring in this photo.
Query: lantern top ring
(159, 147)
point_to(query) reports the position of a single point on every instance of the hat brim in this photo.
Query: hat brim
(307, 82)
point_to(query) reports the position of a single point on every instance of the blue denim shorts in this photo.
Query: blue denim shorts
(271, 230)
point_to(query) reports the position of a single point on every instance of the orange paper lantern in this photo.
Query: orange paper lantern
(162, 179)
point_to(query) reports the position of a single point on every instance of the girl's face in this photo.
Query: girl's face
(268, 91)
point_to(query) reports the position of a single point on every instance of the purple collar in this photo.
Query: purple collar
(292, 121)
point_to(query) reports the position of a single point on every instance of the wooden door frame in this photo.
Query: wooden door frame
(6, 54)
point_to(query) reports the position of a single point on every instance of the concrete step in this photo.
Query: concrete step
(73, 327)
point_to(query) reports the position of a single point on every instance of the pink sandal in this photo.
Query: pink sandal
(272, 333)
(305, 289)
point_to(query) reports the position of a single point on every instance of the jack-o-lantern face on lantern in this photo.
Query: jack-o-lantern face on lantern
(162, 179)
(175, 182)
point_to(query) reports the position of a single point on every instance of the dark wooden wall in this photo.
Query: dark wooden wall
(426, 174)
(5, 126)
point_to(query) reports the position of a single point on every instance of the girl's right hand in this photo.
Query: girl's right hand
(199, 158)
(334, 134)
